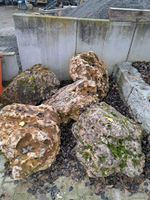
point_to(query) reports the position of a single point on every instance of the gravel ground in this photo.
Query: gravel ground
(67, 164)
(144, 69)
(99, 8)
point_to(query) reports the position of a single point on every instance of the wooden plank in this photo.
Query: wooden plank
(129, 15)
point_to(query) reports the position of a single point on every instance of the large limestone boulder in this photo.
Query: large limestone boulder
(29, 137)
(31, 86)
(70, 100)
(108, 142)
(88, 66)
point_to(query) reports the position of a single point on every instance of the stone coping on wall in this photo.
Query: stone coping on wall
(83, 19)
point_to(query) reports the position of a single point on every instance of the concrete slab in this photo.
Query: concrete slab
(64, 188)
(10, 66)
(117, 43)
(47, 40)
(91, 35)
(110, 40)
(140, 49)
(135, 92)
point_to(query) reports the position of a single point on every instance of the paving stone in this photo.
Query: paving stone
(60, 190)
(13, 191)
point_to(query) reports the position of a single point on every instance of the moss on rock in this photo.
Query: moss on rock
(108, 142)
(31, 86)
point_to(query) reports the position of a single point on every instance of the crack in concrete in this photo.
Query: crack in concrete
(131, 42)
(130, 93)
(76, 42)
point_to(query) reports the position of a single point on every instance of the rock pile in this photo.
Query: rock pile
(31, 86)
(91, 81)
(30, 137)
(108, 142)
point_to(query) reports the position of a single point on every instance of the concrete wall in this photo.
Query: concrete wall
(9, 66)
(52, 41)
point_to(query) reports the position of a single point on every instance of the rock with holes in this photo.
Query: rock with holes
(30, 137)
(31, 86)
(88, 66)
(108, 142)
(70, 100)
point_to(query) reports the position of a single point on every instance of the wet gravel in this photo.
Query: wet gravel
(67, 164)
(144, 69)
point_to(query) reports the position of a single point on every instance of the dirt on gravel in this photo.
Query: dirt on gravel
(144, 69)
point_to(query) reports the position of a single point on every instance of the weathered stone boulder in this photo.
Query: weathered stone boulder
(29, 137)
(88, 66)
(31, 86)
(108, 142)
(70, 100)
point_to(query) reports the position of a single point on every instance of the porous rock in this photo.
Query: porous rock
(108, 142)
(88, 66)
(31, 86)
(70, 100)
(30, 137)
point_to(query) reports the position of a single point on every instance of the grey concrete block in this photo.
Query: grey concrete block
(140, 107)
(47, 40)
(110, 40)
(135, 92)
(140, 49)
(9, 66)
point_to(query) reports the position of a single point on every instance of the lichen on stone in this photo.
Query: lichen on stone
(31, 86)
(108, 142)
